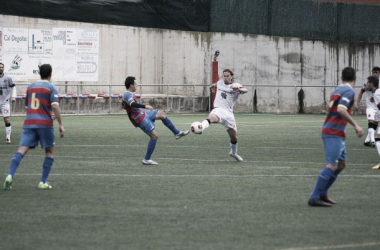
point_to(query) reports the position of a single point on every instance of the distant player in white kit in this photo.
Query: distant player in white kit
(225, 99)
(371, 109)
(7, 91)
(377, 102)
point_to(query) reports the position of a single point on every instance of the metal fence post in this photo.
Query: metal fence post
(253, 99)
(78, 99)
(167, 97)
(193, 98)
(295, 99)
(109, 99)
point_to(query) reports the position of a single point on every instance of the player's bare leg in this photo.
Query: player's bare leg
(8, 130)
(233, 144)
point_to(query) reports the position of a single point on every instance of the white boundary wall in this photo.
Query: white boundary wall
(159, 57)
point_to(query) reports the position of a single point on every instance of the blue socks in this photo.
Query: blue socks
(168, 123)
(331, 181)
(46, 167)
(151, 145)
(16, 160)
(322, 182)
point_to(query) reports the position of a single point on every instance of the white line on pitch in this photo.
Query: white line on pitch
(69, 157)
(365, 244)
(189, 175)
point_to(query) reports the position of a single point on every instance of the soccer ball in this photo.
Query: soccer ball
(196, 128)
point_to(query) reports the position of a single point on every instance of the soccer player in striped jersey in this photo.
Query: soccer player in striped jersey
(7, 92)
(333, 136)
(41, 100)
(371, 109)
(145, 119)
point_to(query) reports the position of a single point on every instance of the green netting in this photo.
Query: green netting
(359, 23)
(298, 18)
(303, 19)
(239, 16)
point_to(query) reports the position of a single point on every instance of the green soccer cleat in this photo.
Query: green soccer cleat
(44, 186)
(8, 183)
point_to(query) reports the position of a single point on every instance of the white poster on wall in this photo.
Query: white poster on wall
(40, 41)
(87, 67)
(15, 40)
(16, 66)
(64, 41)
(88, 40)
(64, 68)
(36, 60)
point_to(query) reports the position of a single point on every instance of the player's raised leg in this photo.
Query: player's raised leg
(161, 115)
(212, 118)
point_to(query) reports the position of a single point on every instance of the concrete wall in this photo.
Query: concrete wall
(166, 57)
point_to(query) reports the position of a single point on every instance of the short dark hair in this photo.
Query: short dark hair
(45, 71)
(375, 68)
(1, 63)
(348, 74)
(374, 80)
(129, 81)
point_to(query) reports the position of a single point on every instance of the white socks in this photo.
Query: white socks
(205, 125)
(8, 131)
(233, 148)
(371, 135)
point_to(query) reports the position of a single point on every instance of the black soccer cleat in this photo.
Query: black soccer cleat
(318, 203)
(367, 144)
(326, 199)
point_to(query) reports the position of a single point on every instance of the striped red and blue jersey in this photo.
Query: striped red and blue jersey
(136, 115)
(335, 125)
(39, 98)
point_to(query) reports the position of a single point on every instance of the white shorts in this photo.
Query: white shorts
(5, 109)
(226, 118)
(373, 114)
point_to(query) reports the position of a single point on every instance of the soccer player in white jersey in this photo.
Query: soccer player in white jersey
(377, 102)
(7, 91)
(225, 99)
(371, 109)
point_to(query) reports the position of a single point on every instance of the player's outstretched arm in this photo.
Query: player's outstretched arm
(346, 116)
(360, 95)
(57, 114)
(239, 88)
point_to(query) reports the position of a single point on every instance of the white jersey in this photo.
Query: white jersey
(369, 97)
(225, 97)
(376, 97)
(7, 89)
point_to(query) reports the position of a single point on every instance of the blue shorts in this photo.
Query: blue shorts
(147, 125)
(31, 136)
(335, 149)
